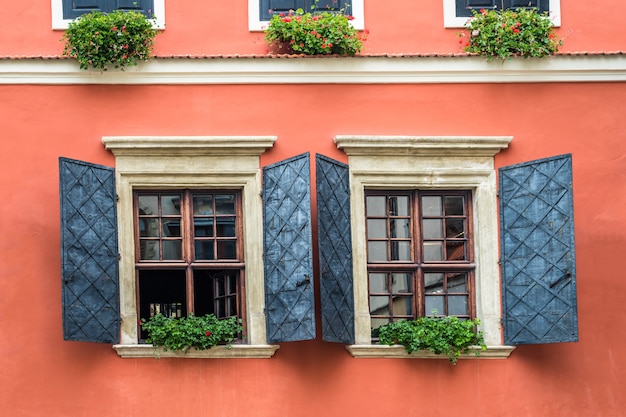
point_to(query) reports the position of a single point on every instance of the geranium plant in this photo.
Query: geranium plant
(182, 334)
(441, 335)
(507, 33)
(314, 33)
(99, 40)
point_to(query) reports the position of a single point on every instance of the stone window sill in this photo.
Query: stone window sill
(217, 352)
(398, 351)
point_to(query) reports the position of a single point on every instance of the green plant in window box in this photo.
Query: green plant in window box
(99, 40)
(314, 33)
(441, 335)
(506, 33)
(182, 334)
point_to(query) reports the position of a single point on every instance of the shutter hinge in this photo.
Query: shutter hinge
(119, 256)
(117, 197)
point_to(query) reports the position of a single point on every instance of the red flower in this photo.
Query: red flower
(517, 24)
(208, 333)
(350, 17)
(515, 30)
(282, 14)
(114, 29)
(286, 19)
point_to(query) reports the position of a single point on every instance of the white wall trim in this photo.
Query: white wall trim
(324, 70)
(450, 20)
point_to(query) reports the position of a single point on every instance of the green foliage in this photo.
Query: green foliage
(506, 33)
(191, 332)
(441, 335)
(314, 33)
(100, 39)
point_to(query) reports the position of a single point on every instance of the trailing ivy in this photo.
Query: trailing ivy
(99, 40)
(440, 335)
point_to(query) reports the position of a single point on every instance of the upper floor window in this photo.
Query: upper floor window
(261, 11)
(64, 11)
(456, 12)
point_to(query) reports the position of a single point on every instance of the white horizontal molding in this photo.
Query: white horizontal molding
(216, 352)
(399, 352)
(324, 70)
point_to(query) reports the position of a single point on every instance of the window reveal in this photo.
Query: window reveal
(420, 257)
(189, 253)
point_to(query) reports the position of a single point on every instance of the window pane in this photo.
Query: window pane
(457, 283)
(433, 228)
(400, 228)
(149, 227)
(225, 204)
(433, 251)
(203, 204)
(434, 306)
(204, 250)
(203, 227)
(172, 250)
(378, 282)
(377, 228)
(433, 283)
(226, 249)
(148, 204)
(226, 226)
(402, 306)
(455, 228)
(402, 283)
(399, 205)
(457, 305)
(377, 251)
(431, 206)
(149, 250)
(170, 205)
(171, 228)
(375, 206)
(379, 305)
(377, 322)
(455, 251)
(455, 205)
(400, 251)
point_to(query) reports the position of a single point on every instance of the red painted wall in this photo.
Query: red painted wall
(41, 374)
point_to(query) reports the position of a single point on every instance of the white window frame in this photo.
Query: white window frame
(58, 23)
(450, 19)
(428, 163)
(255, 24)
(161, 162)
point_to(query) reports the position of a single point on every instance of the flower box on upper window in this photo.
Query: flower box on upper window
(457, 12)
(64, 11)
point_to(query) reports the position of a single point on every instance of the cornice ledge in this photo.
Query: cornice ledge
(473, 146)
(399, 352)
(216, 352)
(188, 145)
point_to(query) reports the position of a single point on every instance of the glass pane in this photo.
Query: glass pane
(431, 206)
(203, 226)
(455, 251)
(377, 228)
(433, 251)
(231, 282)
(148, 227)
(401, 283)
(378, 282)
(400, 228)
(457, 305)
(379, 305)
(220, 286)
(170, 205)
(376, 251)
(455, 205)
(202, 204)
(204, 249)
(226, 249)
(434, 306)
(375, 206)
(171, 228)
(226, 226)
(400, 251)
(399, 205)
(377, 322)
(225, 204)
(149, 250)
(148, 204)
(172, 249)
(402, 306)
(457, 284)
(455, 228)
(433, 283)
(433, 228)
(231, 306)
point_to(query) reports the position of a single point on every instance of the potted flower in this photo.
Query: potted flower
(99, 40)
(506, 33)
(441, 335)
(182, 334)
(314, 33)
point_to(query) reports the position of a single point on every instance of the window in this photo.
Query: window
(189, 253)
(456, 12)
(260, 11)
(419, 254)
(63, 11)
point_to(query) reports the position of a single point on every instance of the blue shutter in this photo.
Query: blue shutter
(89, 256)
(287, 245)
(74, 8)
(538, 257)
(335, 250)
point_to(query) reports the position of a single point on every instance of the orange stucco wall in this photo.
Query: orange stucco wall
(41, 374)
